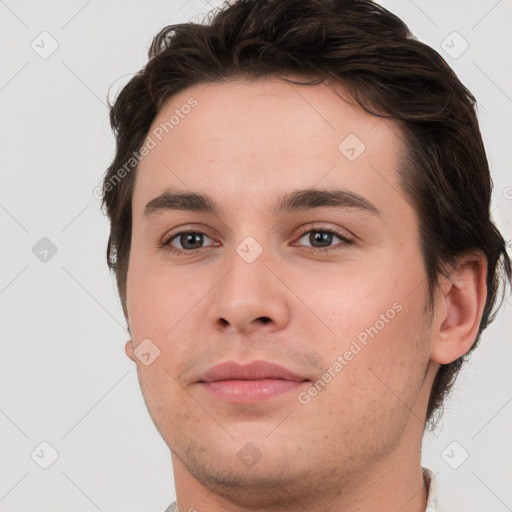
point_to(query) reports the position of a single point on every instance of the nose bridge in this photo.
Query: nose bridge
(249, 267)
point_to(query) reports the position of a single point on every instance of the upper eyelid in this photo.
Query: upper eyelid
(309, 228)
(186, 231)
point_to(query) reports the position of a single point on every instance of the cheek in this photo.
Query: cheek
(374, 393)
(155, 306)
(168, 406)
(165, 306)
(358, 298)
(155, 300)
(377, 314)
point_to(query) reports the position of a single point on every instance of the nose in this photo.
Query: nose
(250, 296)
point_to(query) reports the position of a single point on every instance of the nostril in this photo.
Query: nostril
(264, 319)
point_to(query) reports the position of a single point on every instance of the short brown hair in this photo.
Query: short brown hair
(373, 55)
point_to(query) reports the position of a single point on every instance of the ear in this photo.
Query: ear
(459, 307)
(128, 350)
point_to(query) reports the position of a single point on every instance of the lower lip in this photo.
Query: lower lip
(249, 391)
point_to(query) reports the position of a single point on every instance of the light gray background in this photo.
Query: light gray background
(64, 378)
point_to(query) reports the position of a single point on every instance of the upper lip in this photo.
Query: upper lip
(257, 370)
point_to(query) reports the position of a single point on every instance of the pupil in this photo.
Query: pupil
(195, 240)
(321, 237)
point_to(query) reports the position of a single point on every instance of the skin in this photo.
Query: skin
(356, 445)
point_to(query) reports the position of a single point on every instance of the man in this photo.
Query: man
(300, 232)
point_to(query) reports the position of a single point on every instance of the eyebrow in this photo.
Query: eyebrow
(297, 200)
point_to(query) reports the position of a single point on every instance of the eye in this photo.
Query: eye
(321, 239)
(185, 242)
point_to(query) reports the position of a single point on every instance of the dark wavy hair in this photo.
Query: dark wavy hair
(372, 54)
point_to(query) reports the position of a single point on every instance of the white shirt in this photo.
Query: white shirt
(432, 491)
(431, 497)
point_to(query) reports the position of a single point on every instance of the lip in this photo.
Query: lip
(249, 383)
(257, 370)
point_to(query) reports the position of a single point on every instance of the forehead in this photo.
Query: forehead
(239, 139)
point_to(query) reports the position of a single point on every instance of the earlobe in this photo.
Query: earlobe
(458, 315)
(128, 349)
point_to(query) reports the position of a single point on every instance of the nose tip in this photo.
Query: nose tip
(248, 297)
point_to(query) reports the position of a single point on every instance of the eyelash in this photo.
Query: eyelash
(166, 244)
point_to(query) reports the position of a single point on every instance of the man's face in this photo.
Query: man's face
(259, 283)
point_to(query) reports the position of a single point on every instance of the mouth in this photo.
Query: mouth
(249, 383)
